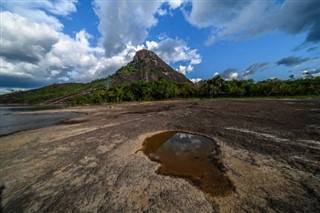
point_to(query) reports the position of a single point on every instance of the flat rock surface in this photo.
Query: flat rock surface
(270, 150)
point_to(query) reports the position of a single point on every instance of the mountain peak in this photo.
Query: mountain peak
(143, 54)
(147, 66)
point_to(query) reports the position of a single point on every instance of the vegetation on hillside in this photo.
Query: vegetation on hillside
(213, 88)
(126, 70)
(99, 91)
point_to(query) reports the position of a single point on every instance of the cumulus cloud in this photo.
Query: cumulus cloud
(184, 69)
(125, 21)
(134, 17)
(174, 50)
(35, 54)
(293, 60)
(174, 4)
(213, 13)
(73, 59)
(23, 40)
(58, 7)
(42, 12)
(234, 20)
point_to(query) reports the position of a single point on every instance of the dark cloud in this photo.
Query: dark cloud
(229, 74)
(312, 49)
(314, 71)
(20, 56)
(243, 19)
(233, 73)
(254, 68)
(301, 16)
(314, 34)
(20, 82)
(293, 60)
(26, 50)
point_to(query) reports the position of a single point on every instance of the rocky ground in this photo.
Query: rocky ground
(270, 150)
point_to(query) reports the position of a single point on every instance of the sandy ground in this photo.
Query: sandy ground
(270, 150)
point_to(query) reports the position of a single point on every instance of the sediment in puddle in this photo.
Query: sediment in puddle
(194, 158)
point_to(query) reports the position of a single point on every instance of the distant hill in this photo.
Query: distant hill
(146, 66)
(52, 94)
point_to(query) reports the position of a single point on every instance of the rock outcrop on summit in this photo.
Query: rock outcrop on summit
(146, 66)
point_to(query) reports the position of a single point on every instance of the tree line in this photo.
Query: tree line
(216, 87)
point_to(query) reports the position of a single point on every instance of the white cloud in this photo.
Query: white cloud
(174, 50)
(54, 72)
(152, 45)
(42, 12)
(76, 60)
(58, 7)
(37, 52)
(233, 75)
(122, 22)
(185, 69)
(174, 4)
(195, 80)
(23, 40)
(162, 12)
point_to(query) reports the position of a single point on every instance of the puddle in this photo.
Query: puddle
(191, 157)
(12, 121)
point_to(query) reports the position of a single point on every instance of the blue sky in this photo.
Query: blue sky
(45, 42)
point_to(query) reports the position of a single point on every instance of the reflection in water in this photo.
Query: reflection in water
(192, 157)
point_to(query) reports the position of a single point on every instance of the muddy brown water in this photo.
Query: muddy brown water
(192, 157)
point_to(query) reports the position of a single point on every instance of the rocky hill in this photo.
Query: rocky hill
(146, 66)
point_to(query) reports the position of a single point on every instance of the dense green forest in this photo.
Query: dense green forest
(99, 91)
(213, 88)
